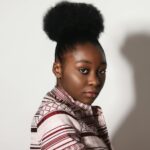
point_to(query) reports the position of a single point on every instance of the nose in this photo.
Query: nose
(93, 80)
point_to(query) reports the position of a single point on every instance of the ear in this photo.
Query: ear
(57, 70)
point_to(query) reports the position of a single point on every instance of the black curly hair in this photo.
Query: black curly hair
(69, 23)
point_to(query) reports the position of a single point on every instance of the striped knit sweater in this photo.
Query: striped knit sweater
(61, 123)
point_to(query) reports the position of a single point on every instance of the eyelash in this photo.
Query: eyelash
(102, 72)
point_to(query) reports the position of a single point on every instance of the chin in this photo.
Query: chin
(89, 102)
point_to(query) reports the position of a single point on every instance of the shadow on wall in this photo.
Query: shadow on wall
(134, 133)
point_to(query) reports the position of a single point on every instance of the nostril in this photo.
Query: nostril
(94, 80)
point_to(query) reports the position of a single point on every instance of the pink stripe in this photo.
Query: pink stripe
(54, 142)
(51, 134)
(55, 128)
(59, 134)
(65, 144)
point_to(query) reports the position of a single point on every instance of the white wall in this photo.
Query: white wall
(26, 56)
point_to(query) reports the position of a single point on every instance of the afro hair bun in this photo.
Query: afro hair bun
(72, 20)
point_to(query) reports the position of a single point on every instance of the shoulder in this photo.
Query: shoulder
(54, 123)
(53, 106)
(52, 111)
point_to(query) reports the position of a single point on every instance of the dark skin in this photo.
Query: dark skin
(82, 74)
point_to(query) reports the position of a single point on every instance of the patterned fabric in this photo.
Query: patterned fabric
(61, 123)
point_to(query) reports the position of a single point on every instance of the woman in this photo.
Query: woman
(66, 119)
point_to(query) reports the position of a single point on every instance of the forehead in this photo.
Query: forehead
(87, 52)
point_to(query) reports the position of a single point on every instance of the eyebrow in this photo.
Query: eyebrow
(88, 62)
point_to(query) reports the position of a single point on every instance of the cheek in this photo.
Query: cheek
(102, 81)
(75, 79)
(72, 83)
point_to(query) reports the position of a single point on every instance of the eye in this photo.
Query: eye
(84, 70)
(101, 72)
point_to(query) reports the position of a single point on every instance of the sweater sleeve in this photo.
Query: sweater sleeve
(59, 130)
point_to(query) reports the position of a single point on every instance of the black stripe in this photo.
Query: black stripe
(35, 148)
(33, 129)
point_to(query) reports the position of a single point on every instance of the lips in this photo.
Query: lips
(91, 94)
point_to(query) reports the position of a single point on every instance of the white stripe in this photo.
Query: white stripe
(64, 145)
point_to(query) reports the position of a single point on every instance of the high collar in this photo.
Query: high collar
(62, 95)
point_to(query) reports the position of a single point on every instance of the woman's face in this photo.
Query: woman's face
(83, 72)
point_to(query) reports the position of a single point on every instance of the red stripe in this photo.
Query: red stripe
(52, 114)
(54, 142)
(64, 126)
(56, 132)
(59, 134)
